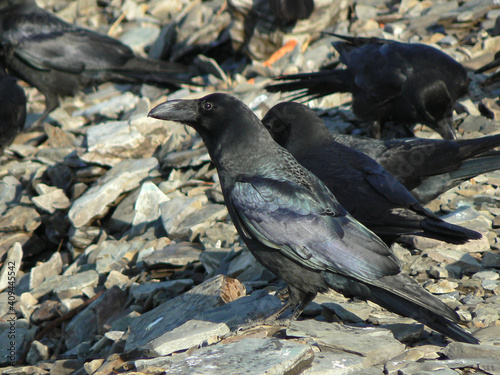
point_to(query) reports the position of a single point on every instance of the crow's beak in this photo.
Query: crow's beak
(445, 128)
(176, 110)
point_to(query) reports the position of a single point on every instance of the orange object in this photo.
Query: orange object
(288, 47)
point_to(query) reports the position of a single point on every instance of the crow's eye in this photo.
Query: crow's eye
(207, 106)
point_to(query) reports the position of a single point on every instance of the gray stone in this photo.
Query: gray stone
(116, 278)
(13, 334)
(249, 356)
(147, 206)
(47, 286)
(457, 350)
(74, 285)
(243, 261)
(197, 222)
(174, 254)
(173, 313)
(65, 367)
(175, 211)
(190, 334)
(11, 267)
(37, 352)
(243, 310)
(91, 320)
(115, 255)
(486, 275)
(172, 287)
(52, 201)
(84, 236)
(124, 177)
(335, 363)
(51, 267)
(20, 218)
(455, 257)
(10, 188)
(355, 312)
(109, 108)
(375, 344)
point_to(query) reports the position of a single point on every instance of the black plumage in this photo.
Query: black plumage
(362, 186)
(60, 59)
(292, 10)
(389, 81)
(293, 224)
(12, 109)
(426, 167)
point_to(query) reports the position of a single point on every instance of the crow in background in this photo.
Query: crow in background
(426, 167)
(293, 224)
(60, 59)
(12, 109)
(389, 81)
(292, 10)
(365, 189)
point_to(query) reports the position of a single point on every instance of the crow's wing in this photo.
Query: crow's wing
(73, 51)
(317, 233)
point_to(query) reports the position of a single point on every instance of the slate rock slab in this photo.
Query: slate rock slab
(214, 292)
(192, 333)
(250, 357)
(124, 177)
(375, 344)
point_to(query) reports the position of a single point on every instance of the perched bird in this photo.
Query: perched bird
(293, 224)
(292, 10)
(389, 81)
(12, 109)
(60, 59)
(362, 186)
(426, 167)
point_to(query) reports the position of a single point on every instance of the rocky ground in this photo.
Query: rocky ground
(124, 255)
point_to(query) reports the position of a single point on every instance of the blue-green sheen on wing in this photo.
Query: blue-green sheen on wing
(286, 216)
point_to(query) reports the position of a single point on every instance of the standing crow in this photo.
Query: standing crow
(362, 186)
(293, 224)
(60, 59)
(12, 109)
(292, 10)
(389, 81)
(427, 167)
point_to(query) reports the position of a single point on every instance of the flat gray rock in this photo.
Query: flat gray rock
(20, 218)
(114, 255)
(212, 293)
(192, 333)
(124, 177)
(457, 350)
(176, 210)
(11, 267)
(174, 254)
(377, 345)
(172, 287)
(52, 201)
(11, 348)
(147, 206)
(51, 267)
(249, 357)
(335, 363)
(70, 286)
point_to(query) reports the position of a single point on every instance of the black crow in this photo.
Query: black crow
(12, 109)
(293, 224)
(426, 167)
(60, 59)
(362, 186)
(389, 81)
(292, 10)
